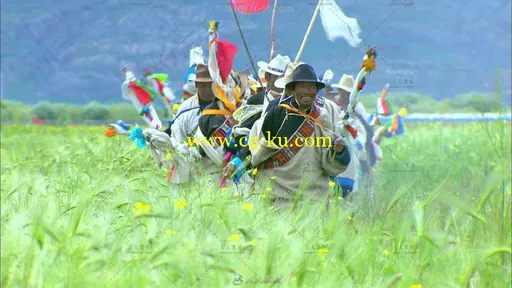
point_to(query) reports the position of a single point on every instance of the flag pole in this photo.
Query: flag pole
(243, 40)
(308, 31)
(305, 40)
(272, 49)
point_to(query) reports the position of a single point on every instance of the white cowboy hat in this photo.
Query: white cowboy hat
(288, 75)
(346, 83)
(276, 65)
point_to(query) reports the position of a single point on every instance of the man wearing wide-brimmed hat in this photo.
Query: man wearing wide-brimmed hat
(186, 121)
(365, 145)
(298, 146)
(323, 102)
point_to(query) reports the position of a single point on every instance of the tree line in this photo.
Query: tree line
(22, 113)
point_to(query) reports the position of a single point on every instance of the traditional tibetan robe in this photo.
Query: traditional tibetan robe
(212, 133)
(259, 104)
(331, 107)
(294, 166)
(181, 132)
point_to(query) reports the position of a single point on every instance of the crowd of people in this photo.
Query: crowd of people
(283, 125)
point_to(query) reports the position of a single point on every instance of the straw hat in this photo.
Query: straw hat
(202, 73)
(276, 66)
(346, 83)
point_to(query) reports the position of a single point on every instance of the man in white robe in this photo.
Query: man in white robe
(293, 164)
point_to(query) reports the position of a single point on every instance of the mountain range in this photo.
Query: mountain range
(73, 51)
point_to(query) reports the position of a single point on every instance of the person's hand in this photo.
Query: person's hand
(339, 145)
(228, 170)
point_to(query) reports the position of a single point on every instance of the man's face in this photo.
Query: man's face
(204, 91)
(305, 93)
(271, 79)
(344, 97)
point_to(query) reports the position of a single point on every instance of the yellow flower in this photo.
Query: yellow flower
(180, 204)
(262, 196)
(417, 203)
(386, 252)
(269, 189)
(169, 232)
(168, 155)
(271, 207)
(331, 184)
(254, 171)
(234, 238)
(273, 178)
(322, 251)
(350, 218)
(236, 195)
(415, 286)
(252, 242)
(340, 198)
(247, 207)
(175, 107)
(325, 265)
(142, 208)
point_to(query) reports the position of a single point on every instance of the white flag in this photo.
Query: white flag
(337, 25)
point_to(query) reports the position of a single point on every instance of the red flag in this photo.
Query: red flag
(250, 6)
(225, 56)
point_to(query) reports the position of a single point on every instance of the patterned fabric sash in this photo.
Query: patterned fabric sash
(289, 149)
(320, 101)
(220, 133)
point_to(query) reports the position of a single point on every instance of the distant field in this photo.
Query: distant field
(82, 210)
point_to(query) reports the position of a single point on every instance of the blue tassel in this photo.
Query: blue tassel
(237, 162)
(136, 135)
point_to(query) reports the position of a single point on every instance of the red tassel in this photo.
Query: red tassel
(171, 173)
(351, 130)
(224, 180)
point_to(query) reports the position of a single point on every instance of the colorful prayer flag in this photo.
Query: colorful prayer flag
(142, 92)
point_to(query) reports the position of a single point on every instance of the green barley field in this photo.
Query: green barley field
(82, 210)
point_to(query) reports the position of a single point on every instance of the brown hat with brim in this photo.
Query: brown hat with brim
(202, 73)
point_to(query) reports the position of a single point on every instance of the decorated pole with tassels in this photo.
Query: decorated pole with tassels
(272, 39)
(367, 67)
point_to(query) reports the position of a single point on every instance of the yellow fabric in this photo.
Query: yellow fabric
(215, 112)
(290, 108)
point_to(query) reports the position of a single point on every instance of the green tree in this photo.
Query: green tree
(46, 111)
(95, 111)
